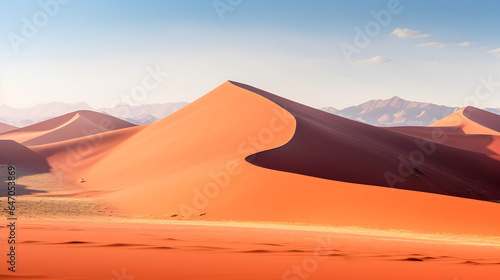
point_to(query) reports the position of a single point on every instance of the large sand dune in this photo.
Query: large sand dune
(319, 168)
(331, 147)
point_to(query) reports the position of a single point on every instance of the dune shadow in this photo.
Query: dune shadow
(335, 148)
(161, 248)
(75, 242)
(296, 251)
(122, 245)
(18, 155)
(270, 244)
(31, 242)
(22, 190)
(257, 251)
(207, 248)
(413, 259)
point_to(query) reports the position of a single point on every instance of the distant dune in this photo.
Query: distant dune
(455, 137)
(470, 128)
(6, 127)
(22, 117)
(319, 168)
(71, 157)
(472, 120)
(68, 126)
(13, 153)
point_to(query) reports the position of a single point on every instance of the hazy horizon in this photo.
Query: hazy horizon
(161, 103)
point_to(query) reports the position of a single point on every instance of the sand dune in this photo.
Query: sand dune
(68, 126)
(470, 129)
(332, 147)
(472, 120)
(455, 137)
(286, 176)
(6, 127)
(193, 162)
(14, 153)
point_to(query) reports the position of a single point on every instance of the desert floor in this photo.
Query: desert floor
(64, 232)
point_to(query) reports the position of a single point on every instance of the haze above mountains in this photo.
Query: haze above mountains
(379, 112)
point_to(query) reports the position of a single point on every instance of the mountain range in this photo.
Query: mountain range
(397, 112)
(378, 112)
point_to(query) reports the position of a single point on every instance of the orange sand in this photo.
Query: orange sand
(196, 161)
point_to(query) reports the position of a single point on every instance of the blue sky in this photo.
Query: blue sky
(99, 51)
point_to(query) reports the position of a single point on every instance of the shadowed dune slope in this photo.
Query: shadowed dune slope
(454, 137)
(470, 129)
(68, 126)
(13, 153)
(331, 147)
(6, 127)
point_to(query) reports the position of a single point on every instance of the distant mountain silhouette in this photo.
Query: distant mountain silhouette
(394, 112)
(389, 112)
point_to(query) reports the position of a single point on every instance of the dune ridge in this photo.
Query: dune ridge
(15, 154)
(68, 126)
(472, 120)
(6, 127)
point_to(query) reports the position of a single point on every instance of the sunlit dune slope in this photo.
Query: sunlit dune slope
(68, 126)
(472, 120)
(72, 157)
(470, 129)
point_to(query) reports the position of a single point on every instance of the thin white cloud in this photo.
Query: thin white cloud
(374, 60)
(495, 52)
(465, 44)
(408, 33)
(432, 44)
